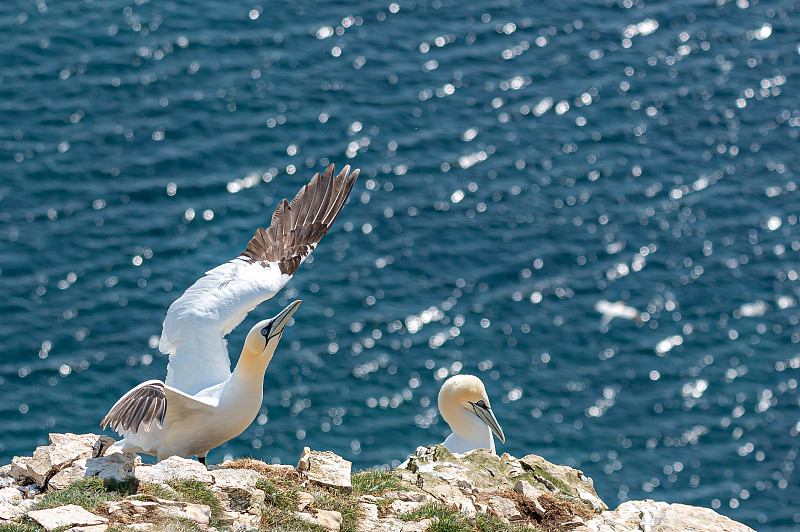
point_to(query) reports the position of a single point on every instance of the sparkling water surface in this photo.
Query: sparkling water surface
(521, 161)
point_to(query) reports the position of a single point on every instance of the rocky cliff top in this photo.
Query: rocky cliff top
(73, 485)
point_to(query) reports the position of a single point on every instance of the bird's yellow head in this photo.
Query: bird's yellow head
(462, 393)
(263, 338)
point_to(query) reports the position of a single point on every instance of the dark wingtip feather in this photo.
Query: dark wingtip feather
(297, 227)
(135, 410)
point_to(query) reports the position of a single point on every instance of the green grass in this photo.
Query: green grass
(281, 495)
(87, 492)
(374, 482)
(344, 503)
(448, 519)
(282, 521)
(383, 505)
(445, 518)
(198, 493)
(26, 525)
(491, 523)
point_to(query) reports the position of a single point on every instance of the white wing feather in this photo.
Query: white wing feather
(197, 322)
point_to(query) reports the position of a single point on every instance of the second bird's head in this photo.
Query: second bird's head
(263, 338)
(464, 395)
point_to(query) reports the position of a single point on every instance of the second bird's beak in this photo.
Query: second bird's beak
(277, 324)
(487, 416)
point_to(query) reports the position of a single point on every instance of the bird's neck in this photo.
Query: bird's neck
(469, 433)
(249, 371)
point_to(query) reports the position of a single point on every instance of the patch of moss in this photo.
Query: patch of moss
(443, 454)
(374, 482)
(196, 492)
(540, 473)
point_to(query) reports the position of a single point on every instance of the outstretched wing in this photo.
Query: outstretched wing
(197, 322)
(140, 416)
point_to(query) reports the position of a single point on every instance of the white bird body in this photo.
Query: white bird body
(464, 405)
(201, 404)
(475, 435)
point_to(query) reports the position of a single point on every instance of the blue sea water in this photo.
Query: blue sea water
(521, 161)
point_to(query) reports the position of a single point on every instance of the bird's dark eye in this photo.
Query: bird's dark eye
(481, 404)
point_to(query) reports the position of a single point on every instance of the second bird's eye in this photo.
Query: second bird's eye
(481, 404)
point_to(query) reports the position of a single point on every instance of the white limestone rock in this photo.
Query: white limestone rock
(304, 500)
(652, 516)
(10, 495)
(199, 513)
(326, 468)
(369, 510)
(504, 508)
(329, 519)
(391, 524)
(404, 507)
(63, 451)
(239, 487)
(173, 468)
(10, 511)
(91, 528)
(70, 515)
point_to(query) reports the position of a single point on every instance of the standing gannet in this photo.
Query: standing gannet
(465, 406)
(201, 404)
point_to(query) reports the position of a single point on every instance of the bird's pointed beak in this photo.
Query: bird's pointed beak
(280, 321)
(487, 416)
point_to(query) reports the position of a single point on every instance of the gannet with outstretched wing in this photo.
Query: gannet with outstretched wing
(465, 406)
(201, 404)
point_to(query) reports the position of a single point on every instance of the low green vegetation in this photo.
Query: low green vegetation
(449, 519)
(196, 492)
(89, 493)
(279, 493)
(281, 497)
(374, 482)
(26, 525)
(491, 523)
(445, 518)
(342, 502)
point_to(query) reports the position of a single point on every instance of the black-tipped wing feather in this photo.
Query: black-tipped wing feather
(297, 227)
(140, 407)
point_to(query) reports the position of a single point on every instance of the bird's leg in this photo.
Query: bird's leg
(202, 460)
